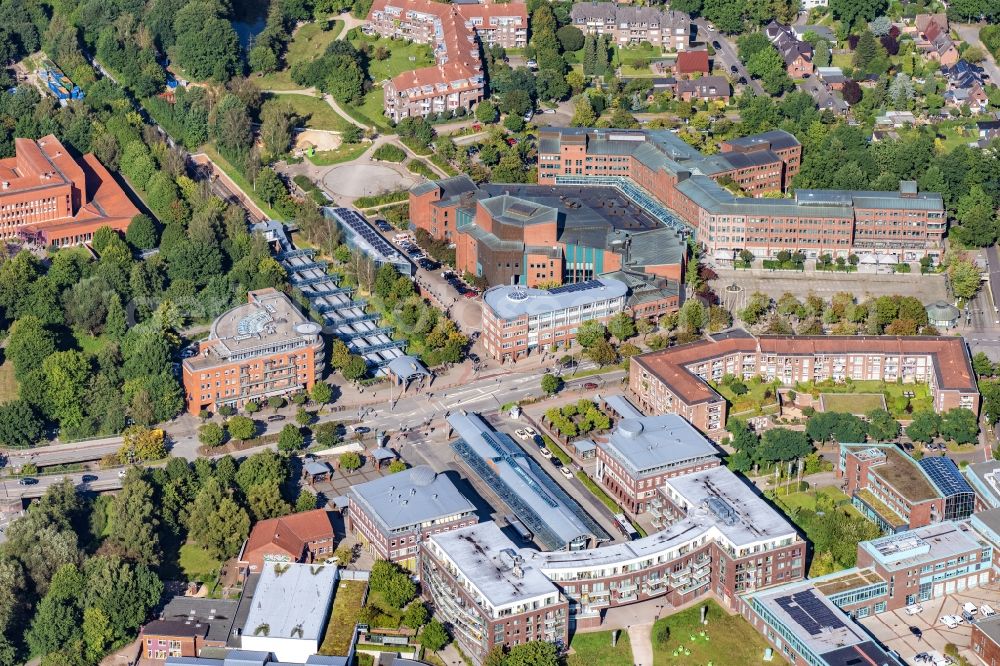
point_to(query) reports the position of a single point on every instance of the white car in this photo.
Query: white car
(951, 621)
(531, 432)
(914, 609)
(987, 610)
(521, 434)
(970, 608)
(566, 472)
(122, 473)
(545, 453)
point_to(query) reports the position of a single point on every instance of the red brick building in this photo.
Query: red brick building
(456, 81)
(986, 640)
(683, 186)
(675, 380)
(186, 625)
(299, 537)
(46, 193)
(262, 349)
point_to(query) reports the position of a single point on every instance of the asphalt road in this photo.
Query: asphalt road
(106, 479)
(726, 55)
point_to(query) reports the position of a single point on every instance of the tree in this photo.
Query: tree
(981, 364)
(959, 425)
(290, 439)
(924, 427)
(783, 444)
(206, 43)
(265, 467)
(415, 615)
(590, 332)
(855, 11)
(570, 37)
(321, 393)
(602, 353)
(397, 466)
(20, 426)
(622, 326)
(551, 384)
(211, 434)
(583, 113)
(265, 501)
(277, 120)
(140, 443)
(881, 426)
(123, 591)
(29, 343)
(852, 95)
(349, 461)
(66, 375)
(821, 54)
(533, 653)
(434, 636)
(692, 317)
(964, 277)
(57, 617)
(306, 501)
(241, 428)
(486, 112)
(355, 369)
(132, 522)
(392, 583)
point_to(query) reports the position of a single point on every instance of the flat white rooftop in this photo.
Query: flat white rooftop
(291, 601)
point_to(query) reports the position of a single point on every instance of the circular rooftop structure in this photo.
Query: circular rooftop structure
(422, 475)
(941, 313)
(308, 328)
(630, 428)
(517, 295)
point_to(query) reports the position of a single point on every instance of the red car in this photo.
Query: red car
(590, 386)
(511, 141)
(470, 294)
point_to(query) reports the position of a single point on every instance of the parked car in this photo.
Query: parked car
(531, 64)
(590, 386)
(987, 610)
(565, 471)
(27, 481)
(716, 44)
(122, 472)
(545, 453)
(970, 608)
(530, 431)
(361, 430)
(549, 111)
(383, 225)
(274, 418)
(917, 632)
(474, 358)
(447, 274)
(968, 617)
(87, 478)
(951, 621)
(521, 434)
(469, 293)
(921, 657)
(734, 69)
(742, 81)
(914, 609)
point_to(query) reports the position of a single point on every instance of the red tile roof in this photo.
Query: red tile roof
(948, 354)
(689, 62)
(291, 533)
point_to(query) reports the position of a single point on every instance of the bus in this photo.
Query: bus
(625, 526)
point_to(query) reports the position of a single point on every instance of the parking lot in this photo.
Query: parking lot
(893, 628)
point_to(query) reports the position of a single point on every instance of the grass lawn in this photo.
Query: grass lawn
(8, 384)
(346, 153)
(343, 617)
(312, 111)
(88, 343)
(197, 564)
(595, 649)
(753, 400)
(628, 55)
(952, 136)
(308, 43)
(852, 403)
(895, 401)
(403, 57)
(371, 111)
(841, 60)
(729, 640)
(808, 499)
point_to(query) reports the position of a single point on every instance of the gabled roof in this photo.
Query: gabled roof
(292, 532)
(689, 62)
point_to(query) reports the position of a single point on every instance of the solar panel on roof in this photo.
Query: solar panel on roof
(521, 210)
(577, 286)
(809, 612)
(945, 475)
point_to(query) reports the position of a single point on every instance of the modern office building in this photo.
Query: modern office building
(555, 519)
(393, 514)
(262, 349)
(719, 537)
(291, 605)
(360, 235)
(49, 196)
(984, 478)
(807, 629)
(541, 235)
(627, 25)
(985, 641)
(676, 380)
(899, 493)
(926, 563)
(674, 181)
(455, 32)
(641, 453)
(519, 320)
(483, 587)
